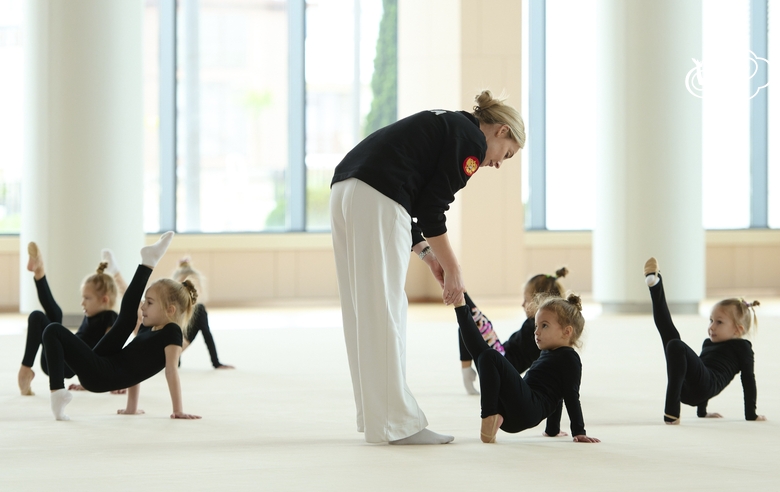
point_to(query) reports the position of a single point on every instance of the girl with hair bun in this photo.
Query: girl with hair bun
(695, 379)
(513, 403)
(520, 349)
(111, 365)
(409, 170)
(199, 321)
(98, 296)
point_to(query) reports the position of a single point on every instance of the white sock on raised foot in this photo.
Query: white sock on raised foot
(59, 400)
(150, 255)
(652, 280)
(469, 376)
(108, 257)
(425, 436)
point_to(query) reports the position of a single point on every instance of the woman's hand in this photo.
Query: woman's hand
(713, 416)
(560, 434)
(185, 416)
(761, 418)
(584, 438)
(453, 288)
(125, 411)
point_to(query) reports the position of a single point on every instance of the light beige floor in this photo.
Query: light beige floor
(284, 420)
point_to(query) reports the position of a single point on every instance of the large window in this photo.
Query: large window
(735, 114)
(11, 114)
(245, 82)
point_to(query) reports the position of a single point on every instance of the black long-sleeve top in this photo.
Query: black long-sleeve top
(555, 377)
(93, 328)
(420, 162)
(725, 360)
(521, 350)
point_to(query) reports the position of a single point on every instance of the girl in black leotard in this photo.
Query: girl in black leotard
(98, 296)
(110, 365)
(513, 403)
(520, 349)
(199, 322)
(695, 379)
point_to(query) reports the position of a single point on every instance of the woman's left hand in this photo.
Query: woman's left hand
(185, 416)
(560, 434)
(584, 438)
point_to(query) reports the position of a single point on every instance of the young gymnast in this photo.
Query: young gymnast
(110, 365)
(693, 379)
(199, 322)
(98, 295)
(520, 349)
(514, 403)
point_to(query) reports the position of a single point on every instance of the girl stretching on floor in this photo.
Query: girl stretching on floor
(199, 322)
(520, 350)
(109, 366)
(98, 295)
(693, 379)
(514, 403)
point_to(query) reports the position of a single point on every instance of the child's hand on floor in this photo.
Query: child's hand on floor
(713, 416)
(124, 411)
(762, 418)
(560, 434)
(585, 439)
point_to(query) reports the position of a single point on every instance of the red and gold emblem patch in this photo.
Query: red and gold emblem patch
(470, 165)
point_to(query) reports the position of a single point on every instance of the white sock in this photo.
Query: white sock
(150, 255)
(425, 436)
(113, 267)
(469, 376)
(652, 279)
(59, 400)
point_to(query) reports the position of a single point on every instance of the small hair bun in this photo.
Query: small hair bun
(102, 267)
(561, 272)
(192, 290)
(575, 299)
(755, 303)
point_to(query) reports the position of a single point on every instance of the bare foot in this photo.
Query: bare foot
(489, 429)
(76, 387)
(35, 261)
(224, 366)
(26, 375)
(119, 392)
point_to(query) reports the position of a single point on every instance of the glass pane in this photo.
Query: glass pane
(151, 81)
(726, 114)
(11, 115)
(232, 107)
(570, 146)
(351, 87)
(774, 115)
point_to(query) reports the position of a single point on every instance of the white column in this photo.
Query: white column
(649, 136)
(82, 187)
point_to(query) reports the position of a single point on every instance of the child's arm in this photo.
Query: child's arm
(749, 382)
(573, 407)
(172, 354)
(133, 393)
(553, 427)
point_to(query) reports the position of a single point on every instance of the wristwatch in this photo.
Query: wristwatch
(425, 252)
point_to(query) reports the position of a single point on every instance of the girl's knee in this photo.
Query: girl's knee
(489, 357)
(37, 318)
(53, 331)
(675, 348)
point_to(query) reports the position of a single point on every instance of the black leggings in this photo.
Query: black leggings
(92, 365)
(200, 323)
(688, 379)
(503, 390)
(37, 322)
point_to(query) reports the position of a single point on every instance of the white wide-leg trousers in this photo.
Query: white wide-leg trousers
(371, 242)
